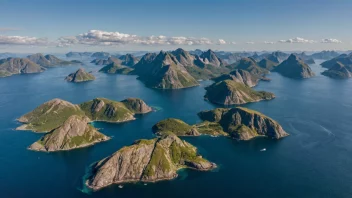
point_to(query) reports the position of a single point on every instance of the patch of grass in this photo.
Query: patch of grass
(176, 126)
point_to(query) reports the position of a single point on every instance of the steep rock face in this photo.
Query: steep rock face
(52, 114)
(115, 68)
(49, 115)
(210, 58)
(294, 67)
(128, 60)
(164, 72)
(339, 71)
(240, 76)
(80, 76)
(183, 57)
(267, 64)
(75, 132)
(147, 161)
(49, 60)
(229, 92)
(344, 59)
(244, 124)
(136, 105)
(175, 126)
(249, 65)
(11, 66)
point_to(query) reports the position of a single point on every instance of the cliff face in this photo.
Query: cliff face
(294, 67)
(339, 71)
(52, 114)
(240, 76)
(80, 76)
(343, 59)
(128, 60)
(11, 66)
(75, 132)
(210, 58)
(244, 124)
(229, 92)
(147, 161)
(249, 65)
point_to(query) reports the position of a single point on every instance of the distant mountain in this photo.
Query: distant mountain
(230, 57)
(108, 61)
(307, 59)
(80, 76)
(339, 71)
(344, 59)
(78, 54)
(100, 55)
(116, 68)
(163, 72)
(267, 64)
(240, 76)
(49, 60)
(325, 55)
(209, 58)
(250, 65)
(294, 67)
(11, 66)
(128, 60)
(229, 92)
(196, 52)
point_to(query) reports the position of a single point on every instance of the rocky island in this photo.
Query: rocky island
(54, 113)
(229, 92)
(74, 133)
(339, 71)
(250, 65)
(116, 68)
(80, 76)
(50, 60)
(344, 59)
(294, 67)
(175, 126)
(243, 124)
(240, 76)
(147, 161)
(12, 66)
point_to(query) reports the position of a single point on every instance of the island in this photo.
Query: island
(11, 66)
(147, 161)
(344, 59)
(339, 71)
(74, 133)
(115, 68)
(175, 126)
(54, 113)
(230, 92)
(163, 72)
(242, 123)
(240, 76)
(294, 67)
(50, 60)
(250, 65)
(80, 76)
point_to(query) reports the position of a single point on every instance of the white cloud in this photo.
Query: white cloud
(233, 43)
(98, 37)
(221, 42)
(269, 42)
(297, 40)
(22, 40)
(250, 42)
(330, 40)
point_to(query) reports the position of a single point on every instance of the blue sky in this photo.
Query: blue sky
(251, 24)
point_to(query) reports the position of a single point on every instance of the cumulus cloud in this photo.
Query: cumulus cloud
(98, 37)
(250, 42)
(22, 40)
(221, 42)
(330, 40)
(269, 42)
(297, 40)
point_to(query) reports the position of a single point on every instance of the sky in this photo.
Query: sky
(152, 25)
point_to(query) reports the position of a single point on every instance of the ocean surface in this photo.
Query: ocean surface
(314, 161)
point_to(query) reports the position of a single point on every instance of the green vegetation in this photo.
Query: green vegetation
(115, 68)
(176, 126)
(158, 161)
(207, 72)
(210, 128)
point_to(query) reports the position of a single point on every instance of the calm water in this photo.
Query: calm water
(314, 161)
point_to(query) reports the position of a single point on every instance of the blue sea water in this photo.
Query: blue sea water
(314, 161)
